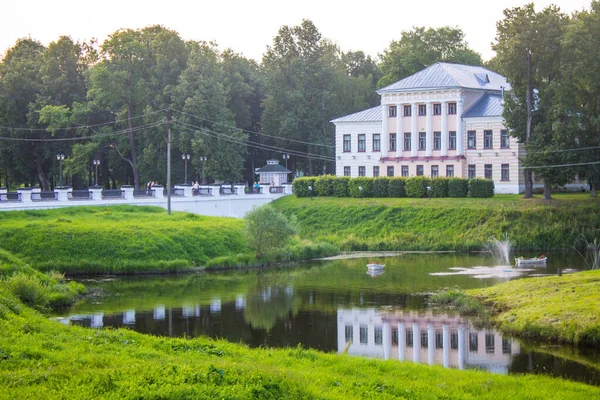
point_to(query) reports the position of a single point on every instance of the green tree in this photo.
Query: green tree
(420, 48)
(266, 229)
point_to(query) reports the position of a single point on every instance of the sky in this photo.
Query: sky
(248, 26)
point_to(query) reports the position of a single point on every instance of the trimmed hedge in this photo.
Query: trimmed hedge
(416, 186)
(396, 187)
(383, 186)
(458, 187)
(439, 187)
(479, 187)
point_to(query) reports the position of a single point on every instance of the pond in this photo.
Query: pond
(336, 306)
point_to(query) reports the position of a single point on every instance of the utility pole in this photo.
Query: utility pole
(527, 172)
(169, 161)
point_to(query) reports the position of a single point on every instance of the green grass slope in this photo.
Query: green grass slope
(558, 308)
(446, 224)
(43, 359)
(117, 239)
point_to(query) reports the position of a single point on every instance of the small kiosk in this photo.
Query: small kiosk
(273, 174)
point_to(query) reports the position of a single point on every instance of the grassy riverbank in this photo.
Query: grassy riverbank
(446, 224)
(40, 358)
(559, 308)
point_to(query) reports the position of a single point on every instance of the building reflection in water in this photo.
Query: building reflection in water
(423, 337)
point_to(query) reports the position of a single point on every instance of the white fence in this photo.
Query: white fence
(214, 200)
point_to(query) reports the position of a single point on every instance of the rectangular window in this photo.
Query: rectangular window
(376, 142)
(392, 111)
(375, 171)
(362, 142)
(439, 340)
(504, 139)
(422, 140)
(449, 171)
(409, 338)
(435, 171)
(407, 111)
(451, 108)
(422, 109)
(424, 341)
(378, 335)
(452, 140)
(362, 171)
(489, 343)
(394, 336)
(487, 169)
(471, 142)
(346, 171)
(471, 171)
(488, 139)
(419, 170)
(364, 334)
(392, 142)
(407, 140)
(504, 172)
(437, 140)
(506, 346)
(390, 170)
(404, 170)
(473, 342)
(437, 109)
(454, 340)
(349, 332)
(347, 144)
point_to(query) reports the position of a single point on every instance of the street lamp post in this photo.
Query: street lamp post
(310, 189)
(96, 164)
(203, 159)
(185, 158)
(60, 157)
(360, 190)
(286, 157)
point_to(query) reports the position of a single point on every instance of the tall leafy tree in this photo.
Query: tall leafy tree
(419, 48)
(528, 49)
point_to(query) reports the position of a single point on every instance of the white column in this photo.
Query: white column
(428, 130)
(446, 345)
(444, 106)
(414, 135)
(430, 343)
(399, 133)
(401, 341)
(387, 340)
(461, 346)
(460, 149)
(25, 195)
(385, 137)
(416, 342)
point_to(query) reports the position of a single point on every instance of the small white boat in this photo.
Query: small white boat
(375, 267)
(531, 261)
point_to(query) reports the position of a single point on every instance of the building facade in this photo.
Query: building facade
(445, 120)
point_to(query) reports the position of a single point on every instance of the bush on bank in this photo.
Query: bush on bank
(379, 187)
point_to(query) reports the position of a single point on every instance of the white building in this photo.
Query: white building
(445, 120)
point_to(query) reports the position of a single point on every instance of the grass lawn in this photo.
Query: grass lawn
(559, 308)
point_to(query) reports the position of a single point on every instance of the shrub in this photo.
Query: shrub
(479, 187)
(266, 228)
(381, 186)
(340, 186)
(324, 185)
(458, 187)
(439, 187)
(416, 186)
(300, 186)
(396, 187)
(365, 183)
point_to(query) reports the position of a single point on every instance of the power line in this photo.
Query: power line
(254, 132)
(218, 135)
(561, 165)
(562, 150)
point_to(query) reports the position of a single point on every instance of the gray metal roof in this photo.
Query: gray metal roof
(444, 75)
(488, 105)
(369, 115)
(273, 168)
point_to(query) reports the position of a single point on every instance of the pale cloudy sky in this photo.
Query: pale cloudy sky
(248, 26)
